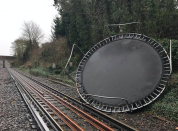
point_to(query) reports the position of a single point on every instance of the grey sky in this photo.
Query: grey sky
(14, 12)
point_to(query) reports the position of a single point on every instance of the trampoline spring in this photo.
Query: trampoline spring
(167, 67)
(165, 57)
(149, 40)
(145, 101)
(164, 81)
(152, 97)
(136, 105)
(160, 87)
(155, 94)
(148, 99)
(157, 46)
(140, 103)
(154, 44)
(161, 51)
(166, 74)
(157, 90)
(167, 64)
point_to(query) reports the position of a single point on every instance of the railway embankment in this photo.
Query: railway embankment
(15, 115)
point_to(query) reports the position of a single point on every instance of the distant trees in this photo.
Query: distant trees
(32, 33)
(75, 22)
(54, 52)
(27, 49)
(58, 29)
(84, 20)
(30, 38)
(18, 47)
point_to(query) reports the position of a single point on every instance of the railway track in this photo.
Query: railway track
(61, 112)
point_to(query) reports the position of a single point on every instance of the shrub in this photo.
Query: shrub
(167, 104)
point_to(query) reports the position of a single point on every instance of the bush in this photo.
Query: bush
(39, 72)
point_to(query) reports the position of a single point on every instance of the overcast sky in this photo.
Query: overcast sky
(14, 12)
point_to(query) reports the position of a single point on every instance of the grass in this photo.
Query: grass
(167, 104)
(24, 69)
(44, 72)
(66, 79)
(39, 72)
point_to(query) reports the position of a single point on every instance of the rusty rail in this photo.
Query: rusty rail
(34, 87)
(60, 114)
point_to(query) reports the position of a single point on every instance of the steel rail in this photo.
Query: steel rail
(112, 121)
(60, 114)
(99, 125)
(53, 123)
(41, 126)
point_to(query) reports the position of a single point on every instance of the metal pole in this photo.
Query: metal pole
(170, 53)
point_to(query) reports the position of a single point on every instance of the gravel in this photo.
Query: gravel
(14, 114)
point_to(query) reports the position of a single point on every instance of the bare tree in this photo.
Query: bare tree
(32, 32)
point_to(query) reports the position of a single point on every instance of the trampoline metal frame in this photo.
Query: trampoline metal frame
(88, 98)
(167, 69)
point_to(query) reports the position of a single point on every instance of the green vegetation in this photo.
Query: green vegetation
(50, 73)
(39, 72)
(167, 104)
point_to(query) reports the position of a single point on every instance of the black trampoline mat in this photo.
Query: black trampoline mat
(126, 68)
